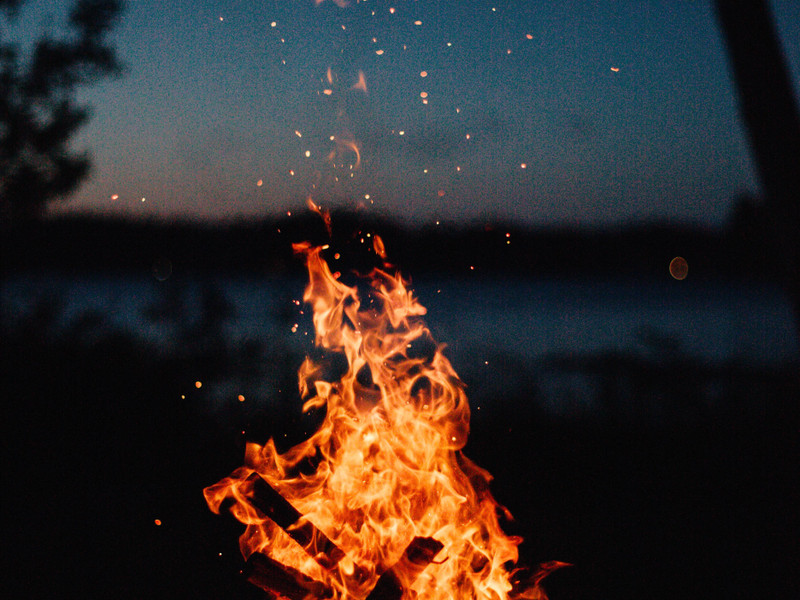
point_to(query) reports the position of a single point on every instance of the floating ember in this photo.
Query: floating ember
(379, 502)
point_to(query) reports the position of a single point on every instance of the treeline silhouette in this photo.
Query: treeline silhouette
(80, 243)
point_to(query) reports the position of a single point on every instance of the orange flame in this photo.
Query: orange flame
(361, 84)
(325, 214)
(389, 466)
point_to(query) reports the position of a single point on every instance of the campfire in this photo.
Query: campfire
(379, 502)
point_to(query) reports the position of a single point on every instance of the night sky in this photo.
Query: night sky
(566, 112)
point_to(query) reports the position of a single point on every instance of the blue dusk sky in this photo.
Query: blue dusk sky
(550, 113)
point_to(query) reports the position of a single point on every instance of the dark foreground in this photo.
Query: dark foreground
(104, 435)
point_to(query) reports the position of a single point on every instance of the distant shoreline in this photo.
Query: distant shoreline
(105, 244)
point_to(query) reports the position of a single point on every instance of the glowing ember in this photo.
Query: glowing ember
(391, 501)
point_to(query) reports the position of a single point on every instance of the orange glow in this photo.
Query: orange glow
(388, 460)
(345, 144)
(423, 74)
(361, 84)
(157, 522)
(423, 94)
(679, 268)
(115, 196)
(241, 398)
(379, 52)
(198, 384)
(260, 182)
(615, 69)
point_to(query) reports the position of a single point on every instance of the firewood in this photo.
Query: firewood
(281, 581)
(418, 555)
(269, 501)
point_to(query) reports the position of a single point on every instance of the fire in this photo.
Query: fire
(381, 493)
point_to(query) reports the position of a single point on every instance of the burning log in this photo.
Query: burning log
(281, 581)
(275, 577)
(266, 499)
(418, 555)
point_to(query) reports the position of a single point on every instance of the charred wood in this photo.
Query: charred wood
(266, 499)
(281, 581)
(418, 555)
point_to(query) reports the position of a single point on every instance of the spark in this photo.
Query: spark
(297, 133)
(115, 196)
(273, 24)
(423, 74)
(198, 384)
(417, 23)
(529, 36)
(379, 52)
(615, 69)
(260, 182)
(157, 522)
(308, 153)
(241, 398)
(523, 166)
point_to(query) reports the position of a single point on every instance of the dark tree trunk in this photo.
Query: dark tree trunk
(770, 113)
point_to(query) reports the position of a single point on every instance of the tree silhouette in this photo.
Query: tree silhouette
(39, 113)
(770, 113)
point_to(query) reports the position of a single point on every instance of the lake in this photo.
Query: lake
(493, 327)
